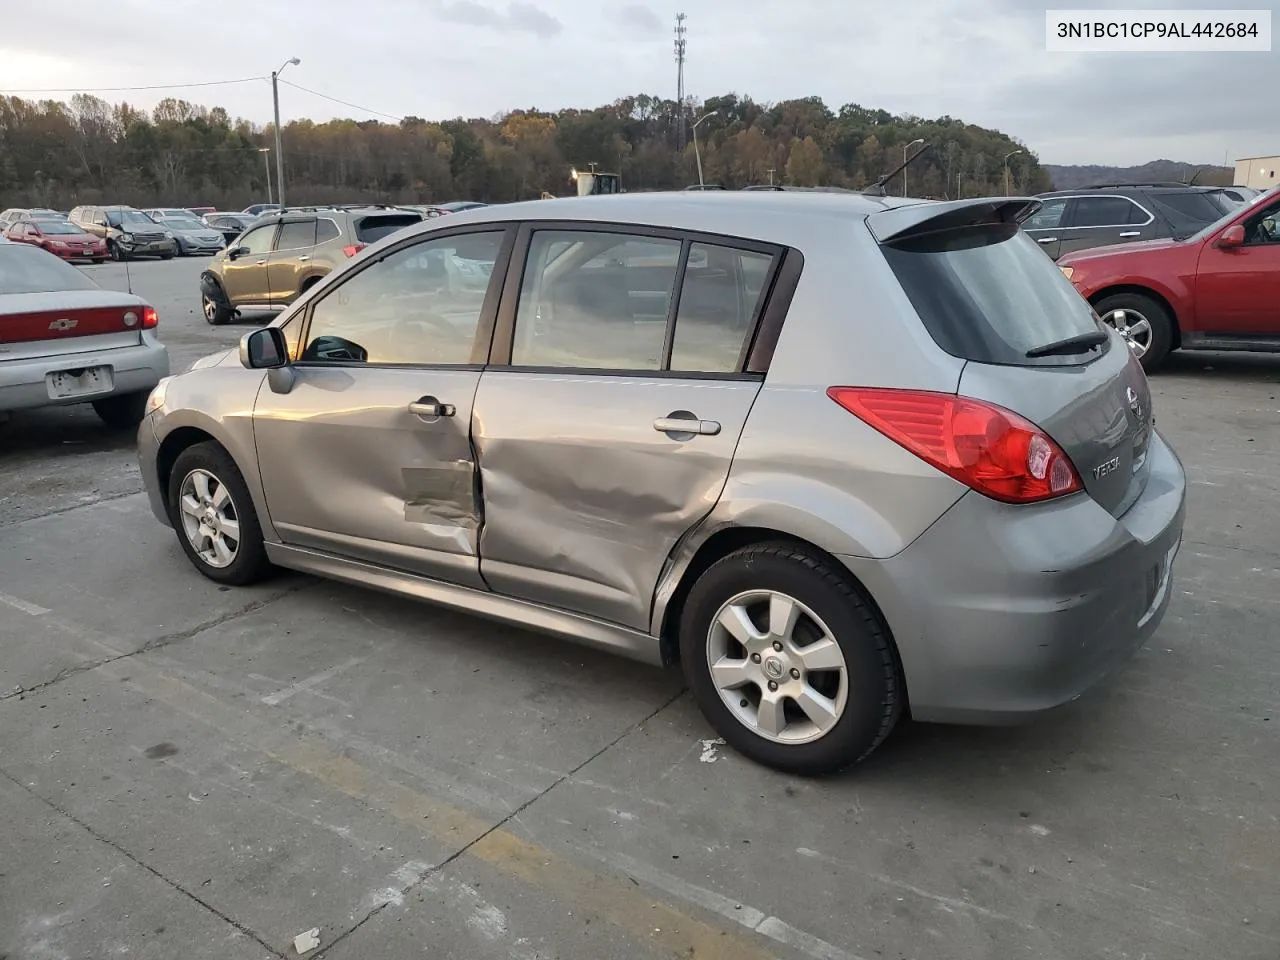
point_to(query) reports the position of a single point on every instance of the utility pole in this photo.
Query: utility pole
(266, 163)
(275, 97)
(1011, 153)
(680, 50)
(771, 172)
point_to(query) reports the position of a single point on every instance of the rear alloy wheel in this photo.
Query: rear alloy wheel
(788, 662)
(214, 312)
(123, 411)
(214, 516)
(1145, 325)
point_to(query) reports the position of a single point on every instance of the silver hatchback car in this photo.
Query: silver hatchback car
(839, 456)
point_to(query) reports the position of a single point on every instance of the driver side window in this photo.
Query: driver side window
(1263, 227)
(420, 305)
(258, 242)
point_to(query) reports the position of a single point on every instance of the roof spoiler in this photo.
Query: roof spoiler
(898, 223)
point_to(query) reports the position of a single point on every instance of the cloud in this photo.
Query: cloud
(638, 19)
(521, 17)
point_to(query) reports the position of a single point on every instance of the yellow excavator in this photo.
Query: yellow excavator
(592, 183)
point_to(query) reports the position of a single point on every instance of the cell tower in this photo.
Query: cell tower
(680, 48)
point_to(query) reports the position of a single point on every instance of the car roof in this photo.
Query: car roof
(762, 214)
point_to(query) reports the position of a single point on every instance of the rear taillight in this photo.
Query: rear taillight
(353, 249)
(150, 319)
(988, 448)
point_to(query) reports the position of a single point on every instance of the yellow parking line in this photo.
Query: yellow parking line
(618, 900)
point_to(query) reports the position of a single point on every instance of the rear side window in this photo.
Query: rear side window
(989, 294)
(1106, 212)
(1190, 209)
(296, 235)
(27, 269)
(371, 229)
(326, 230)
(721, 295)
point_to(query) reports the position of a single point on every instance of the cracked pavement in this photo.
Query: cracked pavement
(192, 770)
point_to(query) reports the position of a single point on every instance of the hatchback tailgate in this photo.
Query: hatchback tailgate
(1099, 413)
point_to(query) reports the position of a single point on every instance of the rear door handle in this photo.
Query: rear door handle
(260, 262)
(303, 259)
(1047, 240)
(431, 407)
(1132, 233)
(706, 428)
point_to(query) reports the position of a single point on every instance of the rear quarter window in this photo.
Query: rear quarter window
(990, 295)
(373, 228)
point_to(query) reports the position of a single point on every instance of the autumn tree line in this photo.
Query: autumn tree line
(60, 154)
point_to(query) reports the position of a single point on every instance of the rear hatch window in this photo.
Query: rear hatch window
(25, 269)
(374, 227)
(987, 293)
(1188, 212)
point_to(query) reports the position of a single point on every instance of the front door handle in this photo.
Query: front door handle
(1047, 240)
(260, 263)
(303, 259)
(1132, 233)
(705, 428)
(431, 407)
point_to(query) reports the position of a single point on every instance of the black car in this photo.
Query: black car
(230, 225)
(1101, 215)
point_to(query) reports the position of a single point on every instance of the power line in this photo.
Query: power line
(153, 86)
(354, 106)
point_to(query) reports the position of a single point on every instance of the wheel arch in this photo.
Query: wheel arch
(725, 541)
(1143, 291)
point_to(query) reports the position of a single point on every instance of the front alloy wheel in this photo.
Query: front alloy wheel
(1133, 326)
(210, 519)
(776, 667)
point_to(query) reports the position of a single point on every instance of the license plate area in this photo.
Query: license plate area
(79, 382)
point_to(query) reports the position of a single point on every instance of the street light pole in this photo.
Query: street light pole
(904, 160)
(1011, 153)
(697, 154)
(275, 97)
(266, 162)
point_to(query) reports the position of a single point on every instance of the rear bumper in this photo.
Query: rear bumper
(87, 253)
(23, 383)
(1002, 612)
(195, 247)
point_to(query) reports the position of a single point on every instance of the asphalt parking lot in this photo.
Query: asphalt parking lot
(193, 771)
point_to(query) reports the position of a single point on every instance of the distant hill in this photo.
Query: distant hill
(1157, 171)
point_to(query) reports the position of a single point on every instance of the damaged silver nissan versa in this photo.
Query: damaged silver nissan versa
(840, 456)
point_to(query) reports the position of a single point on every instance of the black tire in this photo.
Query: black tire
(122, 411)
(875, 691)
(1151, 310)
(215, 313)
(250, 563)
(166, 256)
(114, 252)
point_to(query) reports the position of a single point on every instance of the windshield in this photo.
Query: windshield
(129, 218)
(989, 294)
(55, 226)
(1256, 204)
(1187, 212)
(26, 269)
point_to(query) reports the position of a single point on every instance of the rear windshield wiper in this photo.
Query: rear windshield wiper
(1078, 344)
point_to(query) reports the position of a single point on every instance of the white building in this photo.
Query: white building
(1257, 172)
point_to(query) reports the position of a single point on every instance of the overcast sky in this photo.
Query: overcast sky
(982, 61)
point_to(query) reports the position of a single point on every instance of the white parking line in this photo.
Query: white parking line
(31, 608)
(277, 698)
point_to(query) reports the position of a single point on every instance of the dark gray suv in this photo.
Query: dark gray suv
(1097, 216)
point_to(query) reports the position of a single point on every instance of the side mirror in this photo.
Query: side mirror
(264, 349)
(236, 252)
(1231, 237)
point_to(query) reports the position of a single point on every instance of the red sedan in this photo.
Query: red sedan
(62, 238)
(1218, 289)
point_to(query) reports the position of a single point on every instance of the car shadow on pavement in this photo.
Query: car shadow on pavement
(1259, 367)
(59, 431)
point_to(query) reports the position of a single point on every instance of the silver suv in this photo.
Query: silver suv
(840, 456)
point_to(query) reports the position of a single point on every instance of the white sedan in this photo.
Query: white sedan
(65, 340)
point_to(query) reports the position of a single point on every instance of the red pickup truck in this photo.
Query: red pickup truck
(1218, 289)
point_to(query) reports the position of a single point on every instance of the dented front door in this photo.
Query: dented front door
(374, 464)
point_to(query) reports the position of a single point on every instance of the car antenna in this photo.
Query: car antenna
(877, 189)
(1192, 181)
